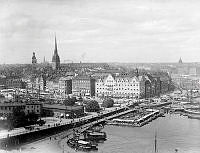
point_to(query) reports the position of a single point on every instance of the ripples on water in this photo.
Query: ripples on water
(173, 131)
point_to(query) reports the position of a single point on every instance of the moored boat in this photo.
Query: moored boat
(194, 116)
(81, 145)
(96, 135)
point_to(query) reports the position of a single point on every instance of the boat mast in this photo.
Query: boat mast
(155, 142)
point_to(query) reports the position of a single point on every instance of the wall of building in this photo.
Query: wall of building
(7, 108)
(111, 86)
(84, 86)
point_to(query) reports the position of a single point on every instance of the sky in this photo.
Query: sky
(135, 31)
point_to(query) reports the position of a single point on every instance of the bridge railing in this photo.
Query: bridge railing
(48, 126)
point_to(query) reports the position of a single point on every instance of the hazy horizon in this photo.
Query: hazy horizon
(108, 31)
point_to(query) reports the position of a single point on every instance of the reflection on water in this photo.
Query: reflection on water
(173, 131)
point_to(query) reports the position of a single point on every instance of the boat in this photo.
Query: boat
(86, 145)
(81, 145)
(72, 142)
(97, 128)
(194, 116)
(96, 136)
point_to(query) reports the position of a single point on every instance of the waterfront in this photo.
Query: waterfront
(173, 131)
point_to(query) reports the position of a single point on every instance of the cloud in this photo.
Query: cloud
(126, 31)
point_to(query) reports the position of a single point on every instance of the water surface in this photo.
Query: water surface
(173, 131)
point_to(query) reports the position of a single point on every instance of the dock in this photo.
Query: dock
(136, 122)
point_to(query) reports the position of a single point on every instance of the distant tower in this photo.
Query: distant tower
(55, 58)
(34, 59)
(180, 61)
(44, 60)
(137, 72)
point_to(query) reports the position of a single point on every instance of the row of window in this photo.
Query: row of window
(126, 81)
(83, 85)
(109, 81)
(106, 92)
(120, 84)
(84, 81)
(117, 89)
(4, 114)
(37, 111)
(32, 106)
(11, 107)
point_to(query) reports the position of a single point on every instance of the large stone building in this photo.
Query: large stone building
(7, 109)
(120, 86)
(83, 85)
(55, 58)
(33, 108)
(60, 87)
(132, 86)
(52, 85)
(2, 81)
(12, 81)
(63, 111)
(65, 86)
(37, 83)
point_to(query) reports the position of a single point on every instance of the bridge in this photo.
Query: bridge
(14, 138)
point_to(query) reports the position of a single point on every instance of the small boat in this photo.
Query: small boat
(194, 116)
(95, 135)
(72, 142)
(97, 128)
(81, 145)
(85, 145)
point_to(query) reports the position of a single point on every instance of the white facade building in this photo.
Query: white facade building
(120, 86)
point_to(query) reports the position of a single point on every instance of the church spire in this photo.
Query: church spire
(56, 58)
(55, 50)
(180, 61)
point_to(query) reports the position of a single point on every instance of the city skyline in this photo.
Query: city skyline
(131, 31)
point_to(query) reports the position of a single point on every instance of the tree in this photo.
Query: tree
(2, 96)
(92, 106)
(19, 119)
(70, 101)
(73, 99)
(108, 103)
(16, 119)
(31, 118)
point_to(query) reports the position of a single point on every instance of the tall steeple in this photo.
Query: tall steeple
(180, 61)
(55, 58)
(55, 50)
(44, 60)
